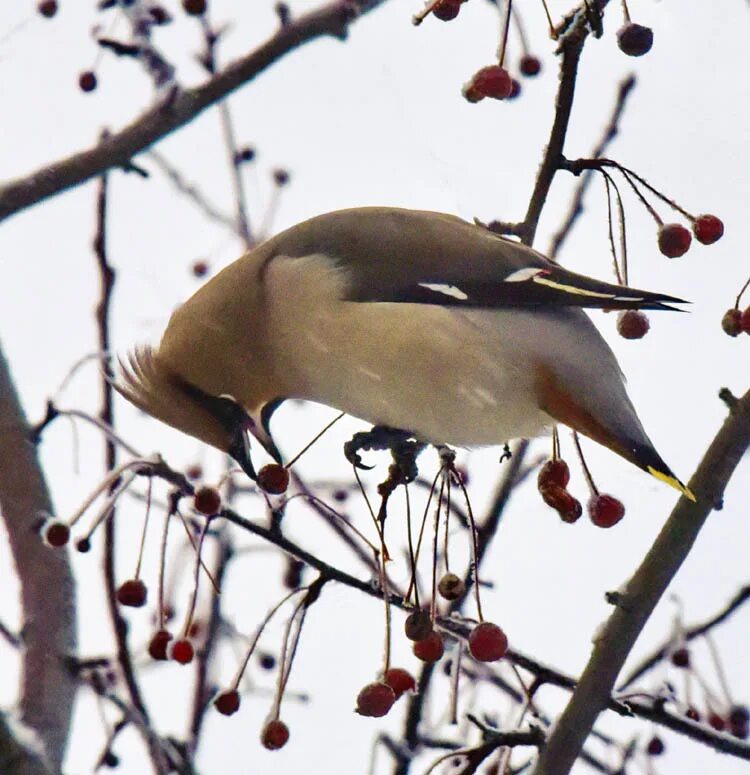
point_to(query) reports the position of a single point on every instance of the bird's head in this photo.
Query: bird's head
(218, 420)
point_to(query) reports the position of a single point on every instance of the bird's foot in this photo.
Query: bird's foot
(402, 445)
(506, 455)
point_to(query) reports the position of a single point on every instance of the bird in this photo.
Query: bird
(407, 319)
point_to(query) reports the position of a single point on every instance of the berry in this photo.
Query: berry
(274, 735)
(194, 471)
(515, 88)
(655, 746)
(194, 7)
(400, 681)
(157, 646)
(554, 471)
(493, 81)
(159, 15)
(741, 731)
(87, 81)
(693, 714)
(451, 587)
(732, 322)
(83, 545)
(605, 510)
(199, 269)
(273, 479)
(182, 651)
(245, 154)
(375, 700)
(487, 642)
(47, 8)
(530, 65)
(635, 40)
(207, 501)
(132, 593)
(674, 240)
(708, 229)
(110, 760)
(739, 714)
(429, 649)
(745, 321)
(632, 324)
(568, 507)
(280, 177)
(681, 657)
(293, 573)
(267, 661)
(717, 721)
(418, 625)
(56, 534)
(227, 702)
(446, 10)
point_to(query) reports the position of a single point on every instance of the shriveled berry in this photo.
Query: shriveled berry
(87, 81)
(47, 8)
(554, 471)
(745, 321)
(632, 324)
(418, 625)
(674, 240)
(56, 534)
(732, 322)
(681, 657)
(273, 479)
(568, 507)
(451, 587)
(487, 642)
(157, 646)
(375, 700)
(132, 593)
(182, 651)
(708, 229)
(635, 40)
(274, 735)
(605, 510)
(194, 7)
(655, 746)
(429, 649)
(493, 81)
(227, 702)
(400, 681)
(717, 721)
(207, 500)
(530, 65)
(446, 10)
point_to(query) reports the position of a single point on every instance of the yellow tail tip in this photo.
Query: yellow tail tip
(672, 481)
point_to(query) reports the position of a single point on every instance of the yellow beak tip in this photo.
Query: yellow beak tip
(672, 481)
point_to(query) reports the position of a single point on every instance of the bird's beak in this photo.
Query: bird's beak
(240, 451)
(257, 425)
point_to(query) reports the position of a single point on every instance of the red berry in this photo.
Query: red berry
(400, 681)
(530, 65)
(745, 321)
(273, 479)
(635, 40)
(732, 322)
(56, 534)
(655, 746)
(157, 646)
(418, 625)
(87, 81)
(487, 642)
(605, 510)
(274, 735)
(227, 702)
(554, 471)
(199, 269)
(375, 700)
(280, 177)
(493, 81)
(446, 10)
(429, 649)
(568, 507)
(194, 471)
(47, 8)
(717, 722)
(182, 651)
(674, 240)
(83, 545)
(693, 714)
(681, 658)
(632, 324)
(132, 593)
(207, 501)
(194, 7)
(708, 229)
(451, 587)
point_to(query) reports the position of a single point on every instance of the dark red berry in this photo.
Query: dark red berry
(157, 646)
(182, 651)
(244, 155)
(493, 81)
(487, 642)
(132, 593)
(515, 89)
(194, 7)
(655, 746)
(739, 714)
(681, 658)
(280, 177)
(741, 731)
(400, 681)
(605, 510)
(554, 471)
(745, 321)
(717, 722)
(446, 10)
(56, 534)
(568, 507)
(199, 269)
(708, 229)
(530, 65)
(692, 714)
(47, 8)
(429, 649)
(194, 471)
(674, 240)
(375, 700)
(83, 545)
(207, 501)
(227, 702)
(110, 760)
(87, 81)
(267, 661)
(732, 322)
(418, 625)
(635, 40)
(273, 479)
(159, 15)
(632, 324)
(274, 735)
(451, 587)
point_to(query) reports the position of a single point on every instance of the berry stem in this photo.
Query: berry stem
(739, 295)
(555, 443)
(586, 472)
(436, 533)
(622, 277)
(625, 11)
(196, 579)
(474, 549)
(413, 580)
(720, 672)
(289, 651)
(314, 439)
(162, 568)
(505, 29)
(412, 557)
(517, 21)
(145, 528)
(196, 549)
(552, 31)
(420, 16)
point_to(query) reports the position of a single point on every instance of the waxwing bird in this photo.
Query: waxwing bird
(414, 320)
